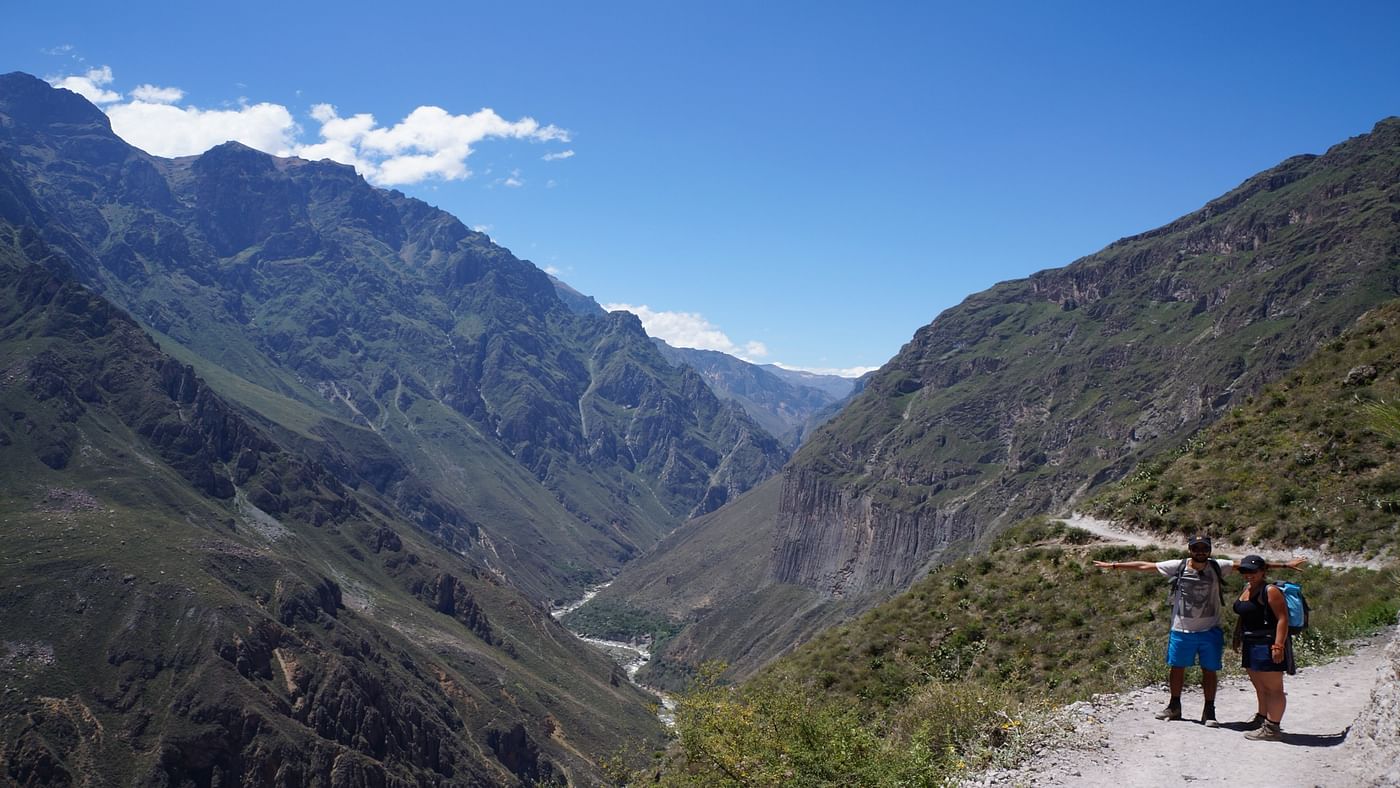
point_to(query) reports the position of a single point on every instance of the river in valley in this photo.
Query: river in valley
(631, 656)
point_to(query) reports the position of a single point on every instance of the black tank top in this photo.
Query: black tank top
(1256, 617)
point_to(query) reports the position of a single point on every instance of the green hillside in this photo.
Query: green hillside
(1312, 459)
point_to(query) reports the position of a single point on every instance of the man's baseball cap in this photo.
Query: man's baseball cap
(1198, 539)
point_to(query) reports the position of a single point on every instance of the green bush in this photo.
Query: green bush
(777, 732)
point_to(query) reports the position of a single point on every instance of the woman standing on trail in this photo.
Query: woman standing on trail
(1266, 650)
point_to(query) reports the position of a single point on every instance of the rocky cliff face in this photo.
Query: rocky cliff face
(839, 544)
(401, 350)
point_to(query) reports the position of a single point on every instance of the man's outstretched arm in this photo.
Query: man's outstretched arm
(1136, 566)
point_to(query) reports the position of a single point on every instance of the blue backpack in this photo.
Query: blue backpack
(1298, 608)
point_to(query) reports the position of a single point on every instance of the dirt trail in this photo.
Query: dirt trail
(1114, 532)
(1116, 741)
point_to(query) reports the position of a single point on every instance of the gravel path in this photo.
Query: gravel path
(1114, 532)
(1116, 742)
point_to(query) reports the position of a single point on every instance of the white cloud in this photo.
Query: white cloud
(430, 143)
(845, 372)
(563, 154)
(689, 329)
(168, 130)
(89, 85)
(156, 95)
(553, 271)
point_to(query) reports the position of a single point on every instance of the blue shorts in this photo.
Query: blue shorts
(1184, 648)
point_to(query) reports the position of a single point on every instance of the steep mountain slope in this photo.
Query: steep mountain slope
(1312, 459)
(787, 406)
(1024, 396)
(188, 602)
(404, 352)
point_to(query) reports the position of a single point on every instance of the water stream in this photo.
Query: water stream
(631, 656)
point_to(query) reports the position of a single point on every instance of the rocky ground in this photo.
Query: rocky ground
(1342, 728)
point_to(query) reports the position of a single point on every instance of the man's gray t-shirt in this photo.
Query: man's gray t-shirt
(1196, 606)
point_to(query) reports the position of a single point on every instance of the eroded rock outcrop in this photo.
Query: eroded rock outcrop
(839, 544)
(1376, 732)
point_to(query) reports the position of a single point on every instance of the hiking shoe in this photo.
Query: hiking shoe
(1169, 713)
(1269, 731)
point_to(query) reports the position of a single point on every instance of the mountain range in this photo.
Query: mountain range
(294, 468)
(787, 403)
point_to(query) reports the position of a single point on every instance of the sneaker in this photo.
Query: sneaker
(1169, 713)
(1269, 731)
(1209, 721)
(1253, 725)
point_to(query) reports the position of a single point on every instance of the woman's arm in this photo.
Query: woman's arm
(1280, 608)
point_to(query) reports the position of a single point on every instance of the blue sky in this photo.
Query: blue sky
(798, 183)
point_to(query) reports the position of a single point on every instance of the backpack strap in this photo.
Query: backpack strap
(1219, 580)
(1262, 599)
(1176, 579)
